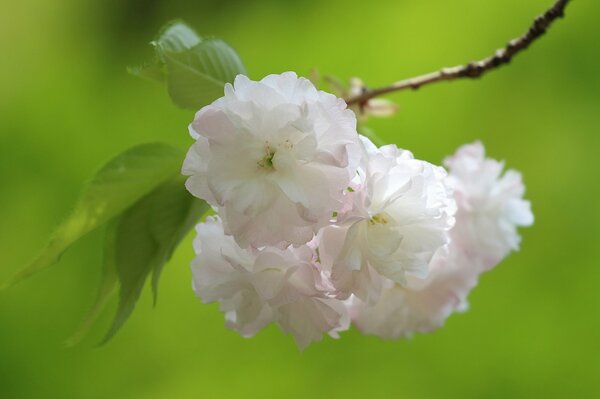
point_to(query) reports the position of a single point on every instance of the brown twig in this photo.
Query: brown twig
(473, 69)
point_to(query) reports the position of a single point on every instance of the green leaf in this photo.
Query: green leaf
(152, 71)
(107, 287)
(113, 189)
(175, 213)
(176, 36)
(197, 76)
(146, 237)
(195, 69)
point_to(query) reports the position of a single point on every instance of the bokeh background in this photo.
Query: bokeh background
(67, 105)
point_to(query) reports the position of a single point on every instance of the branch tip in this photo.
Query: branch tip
(473, 69)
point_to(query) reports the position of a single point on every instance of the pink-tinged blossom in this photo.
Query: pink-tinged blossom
(420, 305)
(400, 216)
(256, 287)
(490, 207)
(274, 157)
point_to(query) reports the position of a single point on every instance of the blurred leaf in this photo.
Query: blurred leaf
(335, 85)
(194, 68)
(176, 36)
(107, 287)
(146, 237)
(113, 189)
(370, 133)
(153, 71)
(197, 76)
(175, 213)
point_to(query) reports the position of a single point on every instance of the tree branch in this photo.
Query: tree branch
(476, 68)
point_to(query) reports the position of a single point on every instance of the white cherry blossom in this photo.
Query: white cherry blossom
(256, 287)
(274, 157)
(490, 208)
(421, 305)
(490, 205)
(400, 214)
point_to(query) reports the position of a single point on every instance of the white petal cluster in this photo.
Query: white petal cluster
(490, 207)
(421, 305)
(317, 227)
(400, 216)
(257, 287)
(490, 204)
(274, 157)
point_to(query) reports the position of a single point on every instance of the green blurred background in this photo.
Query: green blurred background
(67, 105)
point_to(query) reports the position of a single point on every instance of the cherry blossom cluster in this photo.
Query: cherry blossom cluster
(318, 228)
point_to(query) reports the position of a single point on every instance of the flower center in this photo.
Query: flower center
(380, 218)
(269, 149)
(266, 162)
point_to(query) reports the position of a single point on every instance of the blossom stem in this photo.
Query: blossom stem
(473, 69)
